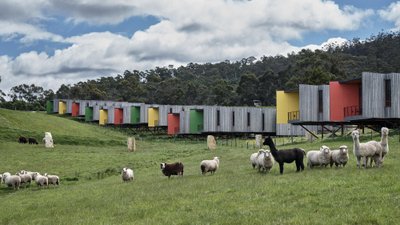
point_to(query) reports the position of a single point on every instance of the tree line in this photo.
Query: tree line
(235, 83)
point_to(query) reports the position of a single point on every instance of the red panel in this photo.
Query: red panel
(118, 116)
(75, 109)
(173, 123)
(341, 96)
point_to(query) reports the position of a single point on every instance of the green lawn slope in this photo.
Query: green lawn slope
(92, 192)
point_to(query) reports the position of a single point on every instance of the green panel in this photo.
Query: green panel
(135, 114)
(49, 106)
(89, 114)
(196, 121)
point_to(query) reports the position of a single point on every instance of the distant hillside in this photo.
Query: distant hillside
(65, 131)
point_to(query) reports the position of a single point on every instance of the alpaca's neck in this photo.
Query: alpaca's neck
(356, 145)
(384, 139)
(273, 149)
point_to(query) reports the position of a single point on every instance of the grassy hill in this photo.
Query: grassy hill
(64, 131)
(92, 192)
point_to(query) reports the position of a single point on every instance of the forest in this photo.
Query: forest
(225, 83)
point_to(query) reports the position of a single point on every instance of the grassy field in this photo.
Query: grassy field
(92, 192)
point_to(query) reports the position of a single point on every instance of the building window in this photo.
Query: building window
(233, 119)
(263, 121)
(248, 119)
(388, 93)
(218, 118)
(320, 101)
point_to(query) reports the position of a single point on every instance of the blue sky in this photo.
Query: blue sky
(54, 42)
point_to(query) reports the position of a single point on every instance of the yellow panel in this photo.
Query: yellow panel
(285, 102)
(153, 117)
(62, 107)
(103, 116)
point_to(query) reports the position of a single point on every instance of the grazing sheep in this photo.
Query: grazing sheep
(340, 157)
(12, 181)
(127, 174)
(1, 178)
(169, 169)
(40, 180)
(28, 172)
(209, 165)
(22, 140)
(365, 150)
(25, 178)
(286, 156)
(32, 141)
(265, 161)
(319, 158)
(53, 179)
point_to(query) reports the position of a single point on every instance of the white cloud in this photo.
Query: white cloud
(188, 31)
(392, 14)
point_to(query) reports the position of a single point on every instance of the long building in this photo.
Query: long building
(372, 100)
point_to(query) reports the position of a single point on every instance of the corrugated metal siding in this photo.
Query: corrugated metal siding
(293, 130)
(373, 95)
(69, 105)
(240, 119)
(55, 105)
(395, 109)
(110, 114)
(269, 119)
(255, 119)
(325, 116)
(184, 121)
(308, 102)
(82, 106)
(96, 112)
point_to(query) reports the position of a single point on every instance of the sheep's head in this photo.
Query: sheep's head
(162, 166)
(216, 159)
(325, 149)
(343, 149)
(267, 154)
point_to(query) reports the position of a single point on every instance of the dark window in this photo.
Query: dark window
(388, 93)
(218, 115)
(320, 102)
(263, 121)
(170, 110)
(248, 119)
(233, 119)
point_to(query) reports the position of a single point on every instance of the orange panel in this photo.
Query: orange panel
(118, 116)
(75, 109)
(173, 123)
(341, 96)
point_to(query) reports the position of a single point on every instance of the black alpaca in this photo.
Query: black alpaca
(286, 156)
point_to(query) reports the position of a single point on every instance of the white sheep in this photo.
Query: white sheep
(265, 161)
(40, 179)
(340, 156)
(12, 181)
(127, 174)
(25, 178)
(209, 165)
(53, 179)
(4, 175)
(319, 158)
(365, 150)
(253, 159)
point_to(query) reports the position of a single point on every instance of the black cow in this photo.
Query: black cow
(22, 140)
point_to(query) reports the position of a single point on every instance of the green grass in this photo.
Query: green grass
(92, 192)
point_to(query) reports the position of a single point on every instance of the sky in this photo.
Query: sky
(54, 42)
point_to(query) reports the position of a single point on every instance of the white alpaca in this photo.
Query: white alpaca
(384, 144)
(365, 150)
